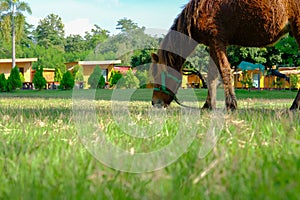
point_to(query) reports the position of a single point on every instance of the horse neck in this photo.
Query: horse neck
(176, 47)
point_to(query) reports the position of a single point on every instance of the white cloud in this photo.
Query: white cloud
(78, 26)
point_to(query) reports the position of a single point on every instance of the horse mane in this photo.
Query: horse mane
(184, 20)
(183, 25)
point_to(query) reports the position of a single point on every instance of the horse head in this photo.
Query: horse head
(167, 78)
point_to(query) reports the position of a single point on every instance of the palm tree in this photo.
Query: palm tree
(11, 13)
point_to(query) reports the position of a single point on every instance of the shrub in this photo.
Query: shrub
(247, 80)
(22, 77)
(3, 83)
(294, 81)
(38, 80)
(115, 77)
(58, 74)
(143, 77)
(67, 82)
(79, 74)
(129, 81)
(14, 80)
(96, 80)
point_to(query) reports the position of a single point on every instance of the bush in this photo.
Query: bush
(143, 77)
(14, 80)
(294, 81)
(129, 81)
(67, 82)
(3, 83)
(96, 80)
(115, 77)
(79, 74)
(22, 77)
(58, 75)
(38, 80)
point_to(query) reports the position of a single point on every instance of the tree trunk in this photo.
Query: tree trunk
(13, 37)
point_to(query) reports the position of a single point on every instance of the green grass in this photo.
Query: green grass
(42, 156)
(145, 94)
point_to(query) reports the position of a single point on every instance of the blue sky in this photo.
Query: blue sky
(80, 15)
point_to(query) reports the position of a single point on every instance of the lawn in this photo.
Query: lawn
(145, 94)
(45, 152)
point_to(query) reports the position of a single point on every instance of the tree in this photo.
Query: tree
(143, 77)
(12, 17)
(67, 82)
(75, 44)
(294, 81)
(50, 32)
(115, 77)
(289, 49)
(78, 73)
(14, 80)
(129, 81)
(199, 58)
(38, 80)
(96, 80)
(96, 37)
(247, 80)
(3, 83)
(58, 75)
(126, 25)
(141, 59)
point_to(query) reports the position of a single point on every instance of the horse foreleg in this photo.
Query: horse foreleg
(296, 32)
(218, 54)
(212, 80)
(296, 103)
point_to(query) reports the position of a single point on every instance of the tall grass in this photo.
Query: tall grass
(42, 157)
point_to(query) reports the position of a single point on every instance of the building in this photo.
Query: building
(24, 65)
(123, 69)
(262, 78)
(89, 66)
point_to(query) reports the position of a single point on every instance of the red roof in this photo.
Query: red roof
(122, 69)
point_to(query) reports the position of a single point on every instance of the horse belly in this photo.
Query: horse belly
(260, 24)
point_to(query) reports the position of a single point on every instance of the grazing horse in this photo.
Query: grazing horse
(218, 24)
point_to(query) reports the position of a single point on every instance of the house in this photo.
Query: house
(89, 66)
(24, 65)
(262, 78)
(249, 72)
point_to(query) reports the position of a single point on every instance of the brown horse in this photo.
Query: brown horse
(217, 24)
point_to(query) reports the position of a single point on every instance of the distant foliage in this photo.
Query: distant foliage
(67, 82)
(38, 80)
(129, 81)
(96, 80)
(3, 83)
(14, 80)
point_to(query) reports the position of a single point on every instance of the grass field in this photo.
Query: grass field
(257, 155)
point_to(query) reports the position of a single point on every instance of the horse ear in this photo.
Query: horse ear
(155, 58)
